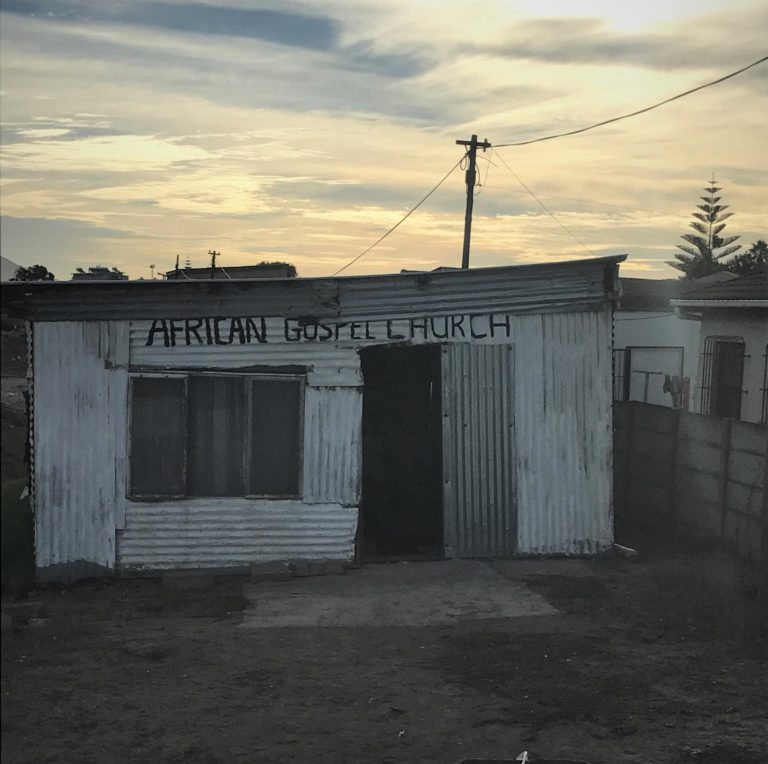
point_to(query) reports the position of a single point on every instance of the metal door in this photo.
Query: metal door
(479, 450)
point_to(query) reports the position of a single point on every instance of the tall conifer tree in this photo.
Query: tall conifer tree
(707, 247)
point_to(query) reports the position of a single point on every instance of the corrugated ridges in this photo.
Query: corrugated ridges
(79, 441)
(333, 445)
(546, 286)
(216, 533)
(478, 449)
(563, 419)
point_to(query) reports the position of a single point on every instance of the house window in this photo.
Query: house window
(215, 435)
(723, 375)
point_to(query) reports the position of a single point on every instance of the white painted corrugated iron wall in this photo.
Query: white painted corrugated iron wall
(333, 435)
(221, 533)
(79, 441)
(330, 363)
(206, 533)
(564, 433)
(563, 443)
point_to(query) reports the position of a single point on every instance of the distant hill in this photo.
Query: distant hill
(7, 268)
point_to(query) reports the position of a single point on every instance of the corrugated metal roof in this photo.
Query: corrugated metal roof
(540, 287)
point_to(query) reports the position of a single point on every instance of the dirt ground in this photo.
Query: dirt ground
(653, 660)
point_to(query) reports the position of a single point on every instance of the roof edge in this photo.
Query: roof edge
(153, 283)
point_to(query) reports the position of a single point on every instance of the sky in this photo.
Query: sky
(134, 132)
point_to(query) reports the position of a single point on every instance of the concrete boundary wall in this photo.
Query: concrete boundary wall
(695, 475)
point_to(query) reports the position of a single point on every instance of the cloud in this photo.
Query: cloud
(363, 55)
(35, 133)
(281, 28)
(590, 41)
(243, 73)
(57, 244)
(293, 29)
(117, 153)
(307, 147)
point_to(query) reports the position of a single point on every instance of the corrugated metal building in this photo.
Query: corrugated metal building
(214, 424)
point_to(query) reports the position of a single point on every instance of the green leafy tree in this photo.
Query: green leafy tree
(33, 273)
(704, 250)
(755, 258)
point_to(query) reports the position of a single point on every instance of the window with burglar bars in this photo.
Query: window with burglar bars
(215, 435)
(722, 376)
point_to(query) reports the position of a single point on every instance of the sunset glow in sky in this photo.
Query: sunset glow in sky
(133, 131)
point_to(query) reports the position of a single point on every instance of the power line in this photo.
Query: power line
(544, 206)
(589, 201)
(403, 219)
(489, 161)
(639, 111)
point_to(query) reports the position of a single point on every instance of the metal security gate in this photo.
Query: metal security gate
(479, 450)
(723, 376)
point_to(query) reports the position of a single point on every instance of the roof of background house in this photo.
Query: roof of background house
(690, 285)
(750, 287)
(648, 294)
(258, 271)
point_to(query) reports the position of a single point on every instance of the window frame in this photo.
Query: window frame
(622, 378)
(248, 378)
(709, 389)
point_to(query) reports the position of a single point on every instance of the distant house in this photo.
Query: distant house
(733, 362)
(655, 357)
(99, 273)
(258, 271)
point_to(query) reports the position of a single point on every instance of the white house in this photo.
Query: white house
(655, 352)
(733, 362)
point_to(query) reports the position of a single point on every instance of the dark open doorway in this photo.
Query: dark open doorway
(402, 508)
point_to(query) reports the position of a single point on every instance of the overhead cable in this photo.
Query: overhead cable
(635, 113)
(402, 219)
(544, 206)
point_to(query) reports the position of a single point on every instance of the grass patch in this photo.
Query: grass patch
(18, 547)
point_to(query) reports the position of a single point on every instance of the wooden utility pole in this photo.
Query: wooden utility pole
(471, 179)
(214, 254)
